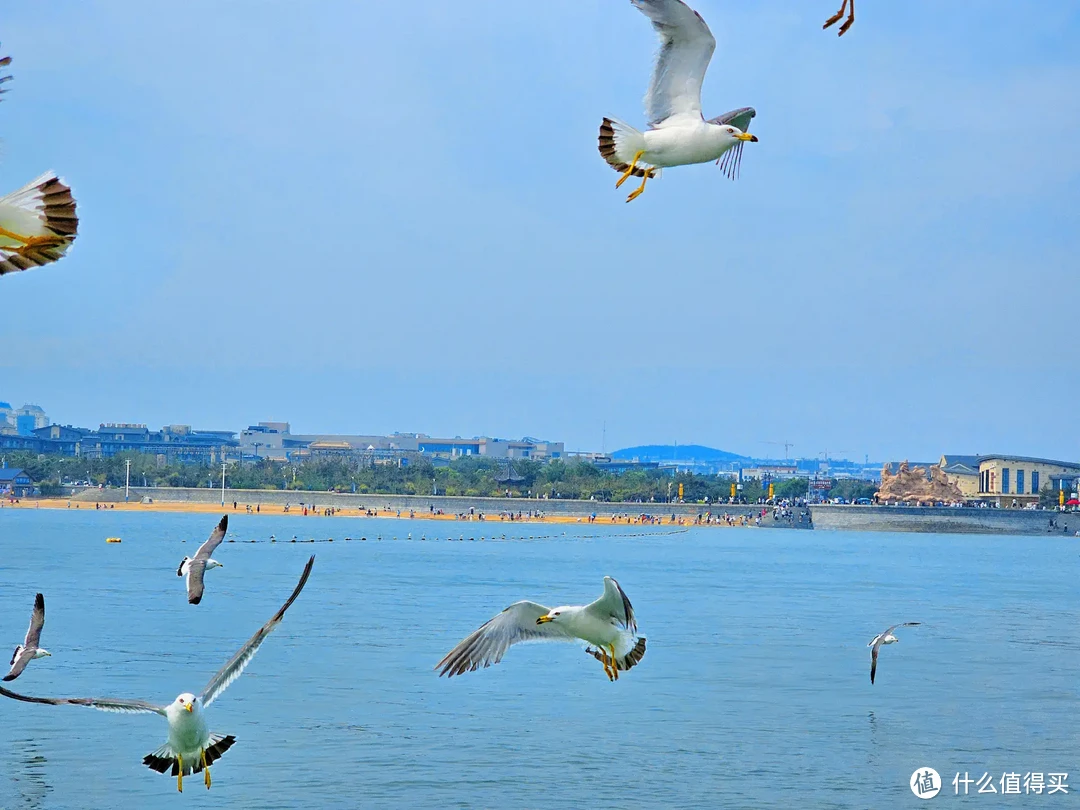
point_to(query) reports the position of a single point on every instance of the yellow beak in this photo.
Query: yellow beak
(544, 620)
(189, 707)
(746, 136)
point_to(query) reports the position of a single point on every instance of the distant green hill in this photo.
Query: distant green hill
(669, 452)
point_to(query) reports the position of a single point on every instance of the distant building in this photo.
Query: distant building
(172, 444)
(274, 440)
(28, 418)
(15, 483)
(772, 472)
(962, 471)
(1004, 479)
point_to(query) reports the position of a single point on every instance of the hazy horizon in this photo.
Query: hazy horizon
(393, 217)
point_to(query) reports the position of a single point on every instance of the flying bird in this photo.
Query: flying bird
(608, 623)
(191, 746)
(194, 567)
(835, 18)
(38, 222)
(678, 133)
(884, 638)
(30, 649)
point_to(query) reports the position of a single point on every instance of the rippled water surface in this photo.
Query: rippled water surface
(754, 692)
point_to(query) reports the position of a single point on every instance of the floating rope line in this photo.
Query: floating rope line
(460, 538)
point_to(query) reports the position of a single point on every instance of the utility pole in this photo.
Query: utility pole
(223, 480)
(127, 480)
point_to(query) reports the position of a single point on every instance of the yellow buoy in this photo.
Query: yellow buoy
(112, 540)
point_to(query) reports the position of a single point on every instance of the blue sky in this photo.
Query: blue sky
(367, 217)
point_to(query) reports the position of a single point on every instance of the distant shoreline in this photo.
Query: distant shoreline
(480, 510)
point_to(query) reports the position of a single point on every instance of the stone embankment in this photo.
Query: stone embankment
(945, 520)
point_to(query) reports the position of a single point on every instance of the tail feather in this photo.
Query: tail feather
(43, 208)
(164, 760)
(619, 143)
(627, 661)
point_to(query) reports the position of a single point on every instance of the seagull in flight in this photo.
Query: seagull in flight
(884, 638)
(30, 649)
(191, 746)
(38, 221)
(608, 623)
(194, 567)
(678, 133)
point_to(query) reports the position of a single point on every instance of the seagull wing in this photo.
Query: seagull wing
(686, 46)
(232, 670)
(873, 661)
(615, 603)
(195, 587)
(737, 118)
(102, 704)
(19, 661)
(37, 621)
(488, 644)
(212, 542)
(902, 624)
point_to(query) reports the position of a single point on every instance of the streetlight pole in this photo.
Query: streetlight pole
(127, 480)
(223, 481)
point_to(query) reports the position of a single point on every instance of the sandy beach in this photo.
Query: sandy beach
(608, 517)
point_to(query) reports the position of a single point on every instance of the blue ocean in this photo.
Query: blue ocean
(754, 691)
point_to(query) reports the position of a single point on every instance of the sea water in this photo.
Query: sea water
(754, 690)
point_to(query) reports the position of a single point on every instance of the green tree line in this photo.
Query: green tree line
(469, 476)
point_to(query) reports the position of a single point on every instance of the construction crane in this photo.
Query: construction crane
(786, 446)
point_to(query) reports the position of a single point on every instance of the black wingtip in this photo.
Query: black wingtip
(224, 523)
(194, 600)
(39, 602)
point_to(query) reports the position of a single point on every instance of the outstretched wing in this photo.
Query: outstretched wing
(615, 603)
(102, 704)
(19, 660)
(232, 670)
(686, 46)
(488, 644)
(195, 586)
(737, 118)
(37, 621)
(873, 661)
(212, 542)
(902, 624)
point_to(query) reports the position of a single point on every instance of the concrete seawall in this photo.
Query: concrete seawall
(451, 505)
(942, 519)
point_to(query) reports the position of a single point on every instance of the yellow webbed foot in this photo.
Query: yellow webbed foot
(206, 771)
(614, 664)
(179, 773)
(630, 171)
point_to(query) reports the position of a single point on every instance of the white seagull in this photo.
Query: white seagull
(678, 133)
(194, 567)
(884, 638)
(38, 221)
(608, 623)
(30, 649)
(191, 746)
